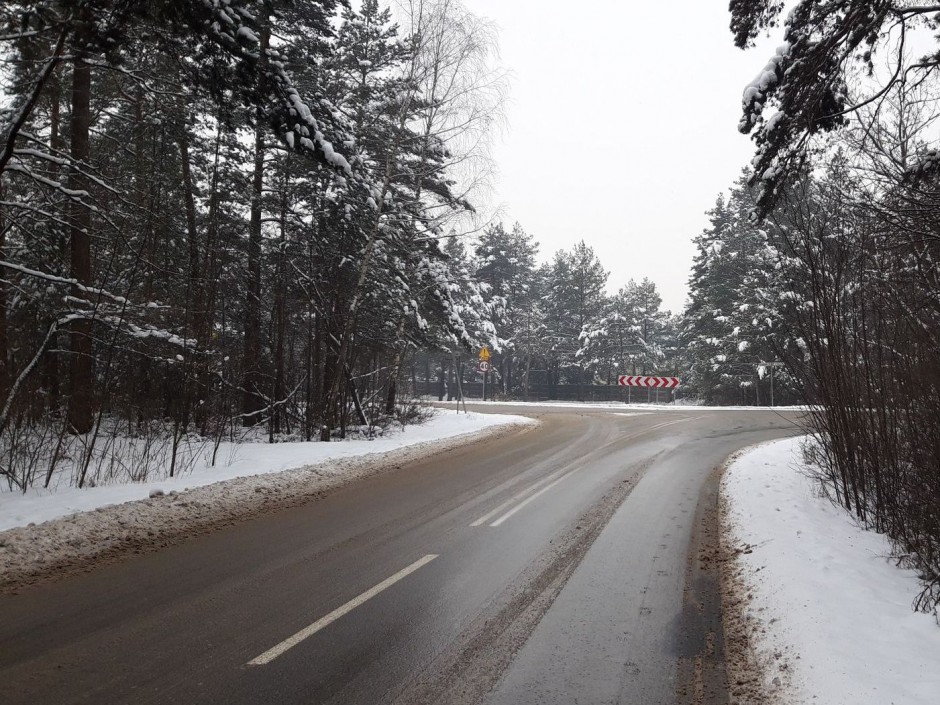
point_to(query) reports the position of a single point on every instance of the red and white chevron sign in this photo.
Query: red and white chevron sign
(650, 382)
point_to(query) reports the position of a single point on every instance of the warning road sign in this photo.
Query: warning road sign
(485, 354)
(649, 382)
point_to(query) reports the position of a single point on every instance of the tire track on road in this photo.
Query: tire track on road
(473, 664)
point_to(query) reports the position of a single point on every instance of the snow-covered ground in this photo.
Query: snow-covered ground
(240, 460)
(828, 612)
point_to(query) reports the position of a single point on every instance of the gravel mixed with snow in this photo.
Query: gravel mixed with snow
(824, 610)
(82, 527)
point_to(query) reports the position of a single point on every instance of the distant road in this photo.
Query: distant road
(547, 566)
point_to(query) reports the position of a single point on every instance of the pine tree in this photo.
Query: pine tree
(506, 262)
(626, 339)
(805, 83)
(574, 300)
(734, 320)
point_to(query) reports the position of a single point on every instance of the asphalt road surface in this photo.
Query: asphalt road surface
(547, 566)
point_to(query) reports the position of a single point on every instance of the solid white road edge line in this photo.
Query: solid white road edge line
(509, 502)
(291, 642)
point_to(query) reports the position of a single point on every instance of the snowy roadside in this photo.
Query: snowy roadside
(815, 609)
(82, 526)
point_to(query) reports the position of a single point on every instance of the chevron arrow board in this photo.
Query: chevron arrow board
(649, 382)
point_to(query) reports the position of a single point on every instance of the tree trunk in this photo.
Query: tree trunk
(317, 370)
(81, 373)
(194, 284)
(280, 332)
(252, 401)
(4, 345)
(525, 379)
(280, 319)
(209, 283)
(308, 381)
(189, 202)
(357, 402)
(396, 367)
(442, 381)
(50, 361)
(331, 402)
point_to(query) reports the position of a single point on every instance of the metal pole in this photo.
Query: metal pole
(771, 366)
(771, 385)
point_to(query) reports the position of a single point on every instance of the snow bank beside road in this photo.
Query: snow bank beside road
(108, 521)
(827, 613)
(238, 460)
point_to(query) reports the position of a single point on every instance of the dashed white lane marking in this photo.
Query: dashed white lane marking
(512, 500)
(306, 632)
(538, 494)
(553, 480)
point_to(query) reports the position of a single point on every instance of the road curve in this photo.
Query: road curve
(549, 565)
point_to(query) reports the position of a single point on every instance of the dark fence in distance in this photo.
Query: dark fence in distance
(561, 392)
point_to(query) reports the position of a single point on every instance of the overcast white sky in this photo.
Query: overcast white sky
(621, 127)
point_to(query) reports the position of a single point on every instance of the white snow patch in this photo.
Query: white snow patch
(825, 593)
(247, 34)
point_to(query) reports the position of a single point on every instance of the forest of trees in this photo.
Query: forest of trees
(241, 214)
(216, 214)
(556, 327)
(826, 257)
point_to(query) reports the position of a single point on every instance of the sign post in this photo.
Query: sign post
(484, 366)
(770, 366)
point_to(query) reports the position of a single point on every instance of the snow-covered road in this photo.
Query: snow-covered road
(538, 566)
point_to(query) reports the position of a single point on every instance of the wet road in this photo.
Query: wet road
(549, 565)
